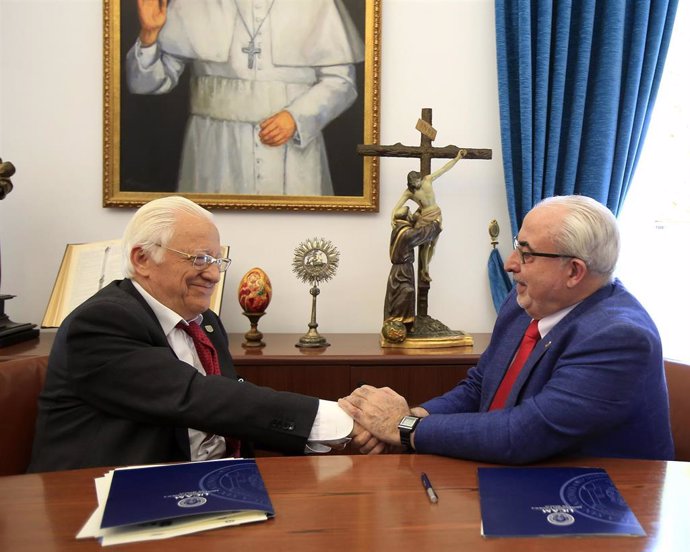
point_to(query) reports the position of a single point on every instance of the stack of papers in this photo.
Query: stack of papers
(545, 501)
(159, 502)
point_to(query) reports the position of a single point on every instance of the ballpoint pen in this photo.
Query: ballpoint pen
(433, 497)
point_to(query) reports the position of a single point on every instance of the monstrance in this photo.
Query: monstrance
(316, 260)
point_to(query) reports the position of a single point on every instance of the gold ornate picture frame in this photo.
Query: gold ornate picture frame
(142, 134)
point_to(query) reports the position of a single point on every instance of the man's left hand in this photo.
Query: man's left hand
(378, 411)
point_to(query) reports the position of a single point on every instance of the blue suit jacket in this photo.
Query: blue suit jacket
(594, 385)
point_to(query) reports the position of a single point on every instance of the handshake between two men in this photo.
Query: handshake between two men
(383, 420)
(127, 384)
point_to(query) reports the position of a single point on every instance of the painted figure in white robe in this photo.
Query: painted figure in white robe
(267, 76)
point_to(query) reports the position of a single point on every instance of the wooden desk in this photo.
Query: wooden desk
(331, 372)
(355, 503)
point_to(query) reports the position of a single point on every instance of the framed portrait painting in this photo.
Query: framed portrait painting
(242, 104)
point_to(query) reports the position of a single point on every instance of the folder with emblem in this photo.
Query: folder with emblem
(163, 495)
(553, 501)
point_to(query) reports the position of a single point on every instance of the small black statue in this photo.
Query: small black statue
(6, 171)
(10, 332)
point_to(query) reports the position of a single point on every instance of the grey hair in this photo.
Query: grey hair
(154, 224)
(589, 232)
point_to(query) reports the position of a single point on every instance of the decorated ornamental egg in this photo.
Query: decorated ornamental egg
(254, 292)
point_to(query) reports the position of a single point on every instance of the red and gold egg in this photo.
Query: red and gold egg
(254, 291)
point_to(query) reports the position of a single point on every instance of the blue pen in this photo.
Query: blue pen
(433, 497)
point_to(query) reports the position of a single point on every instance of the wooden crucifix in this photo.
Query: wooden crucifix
(425, 152)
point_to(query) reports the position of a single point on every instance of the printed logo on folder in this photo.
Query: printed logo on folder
(522, 502)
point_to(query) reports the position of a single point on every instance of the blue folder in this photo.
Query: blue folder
(543, 501)
(157, 493)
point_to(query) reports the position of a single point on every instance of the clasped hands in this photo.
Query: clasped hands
(377, 412)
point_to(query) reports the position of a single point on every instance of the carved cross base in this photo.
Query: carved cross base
(429, 333)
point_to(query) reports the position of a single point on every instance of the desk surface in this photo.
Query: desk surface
(355, 503)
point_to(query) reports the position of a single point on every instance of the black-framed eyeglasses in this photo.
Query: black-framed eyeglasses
(525, 256)
(201, 261)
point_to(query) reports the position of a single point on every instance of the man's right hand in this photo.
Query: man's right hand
(152, 17)
(366, 443)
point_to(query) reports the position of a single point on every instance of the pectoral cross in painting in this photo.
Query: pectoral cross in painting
(252, 51)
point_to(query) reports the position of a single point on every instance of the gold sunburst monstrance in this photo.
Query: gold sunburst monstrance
(316, 260)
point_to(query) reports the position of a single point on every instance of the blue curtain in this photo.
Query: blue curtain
(499, 282)
(577, 82)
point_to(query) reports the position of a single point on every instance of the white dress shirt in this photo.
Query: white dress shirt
(546, 324)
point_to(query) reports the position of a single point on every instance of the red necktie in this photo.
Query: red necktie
(528, 342)
(204, 348)
(209, 360)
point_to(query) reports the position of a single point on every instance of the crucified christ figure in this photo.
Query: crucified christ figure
(420, 190)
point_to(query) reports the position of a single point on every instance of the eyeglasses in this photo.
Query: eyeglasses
(526, 256)
(201, 262)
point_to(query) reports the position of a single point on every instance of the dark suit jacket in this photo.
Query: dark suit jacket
(594, 385)
(116, 394)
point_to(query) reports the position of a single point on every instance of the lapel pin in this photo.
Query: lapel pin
(208, 328)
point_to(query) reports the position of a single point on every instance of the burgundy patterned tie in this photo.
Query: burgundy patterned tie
(528, 342)
(204, 348)
(209, 360)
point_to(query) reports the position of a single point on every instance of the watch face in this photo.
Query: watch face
(408, 422)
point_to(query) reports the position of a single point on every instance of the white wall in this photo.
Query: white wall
(435, 53)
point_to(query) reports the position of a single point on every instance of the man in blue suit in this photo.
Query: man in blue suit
(593, 385)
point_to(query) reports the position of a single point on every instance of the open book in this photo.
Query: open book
(89, 267)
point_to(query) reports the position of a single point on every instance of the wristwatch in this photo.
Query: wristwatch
(406, 426)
